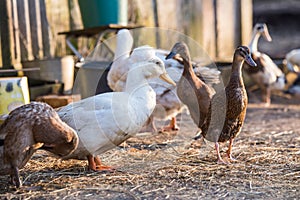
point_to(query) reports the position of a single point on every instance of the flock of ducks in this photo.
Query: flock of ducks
(168, 106)
(148, 83)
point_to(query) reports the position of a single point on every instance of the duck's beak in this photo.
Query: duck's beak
(250, 61)
(266, 34)
(171, 55)
(167, 78)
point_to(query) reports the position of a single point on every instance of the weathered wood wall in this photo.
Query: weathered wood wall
(217, 25)
(29, 28)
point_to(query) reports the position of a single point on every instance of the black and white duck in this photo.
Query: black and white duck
(266, 75)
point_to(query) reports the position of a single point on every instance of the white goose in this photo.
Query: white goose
(106, 120)
(168, 104)
(266, 75)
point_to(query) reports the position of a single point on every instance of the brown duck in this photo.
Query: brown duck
(191, 90)
(214, 111)
(28, 128)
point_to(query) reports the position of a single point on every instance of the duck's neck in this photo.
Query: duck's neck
(188, 68)
(236, 73)
(135, 80)
(124, 45)
(141, 99)
(253, 43)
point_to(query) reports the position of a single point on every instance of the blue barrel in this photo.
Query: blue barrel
(103, 12)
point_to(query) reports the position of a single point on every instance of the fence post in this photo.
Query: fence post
(24, 26)
(6, 32)
(36, 28)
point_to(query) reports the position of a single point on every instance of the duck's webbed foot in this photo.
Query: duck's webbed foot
(95, 164)
(229, 152)
(171, 127)
(15, 177)
(220, 160)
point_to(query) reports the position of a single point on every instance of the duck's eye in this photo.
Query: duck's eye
(260, 28)
(157, 62)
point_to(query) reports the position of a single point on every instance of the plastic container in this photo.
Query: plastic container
(103, 12)
(14, 92)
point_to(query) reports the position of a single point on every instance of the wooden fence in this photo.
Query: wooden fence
(28, 29)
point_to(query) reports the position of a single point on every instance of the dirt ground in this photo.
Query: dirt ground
(172, 166)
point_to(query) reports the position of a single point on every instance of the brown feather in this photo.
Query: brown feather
(29, 128)
(191, 90)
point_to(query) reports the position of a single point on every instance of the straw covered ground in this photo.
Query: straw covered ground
(172, 166)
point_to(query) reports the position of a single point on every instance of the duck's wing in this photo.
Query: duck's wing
(83, 110)
(272, 74)
(94, 120)
(269, 65)
(209, 76)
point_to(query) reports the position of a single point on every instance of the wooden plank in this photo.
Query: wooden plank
(209, 28)
(6, 32)
(24, 26)
(57, 101)
(237, 27)
(246, 21)
(0, 55)
(46, 32)
(225, 29)
(16, 32)
(75, 16)
(36, 29)
(90, 32)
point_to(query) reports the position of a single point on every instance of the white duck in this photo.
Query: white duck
(294, 89)
(266, 75)
(292, 63)
(168, 104)
(106, 120)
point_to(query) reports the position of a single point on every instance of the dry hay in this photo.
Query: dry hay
(171, 166)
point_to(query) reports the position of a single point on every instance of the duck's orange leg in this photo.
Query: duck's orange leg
(92, 164)
(96, 165)
(99, 165)
(172, 126)
(220, 160)
(266, 96)
(229, 151)
(149, 126)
